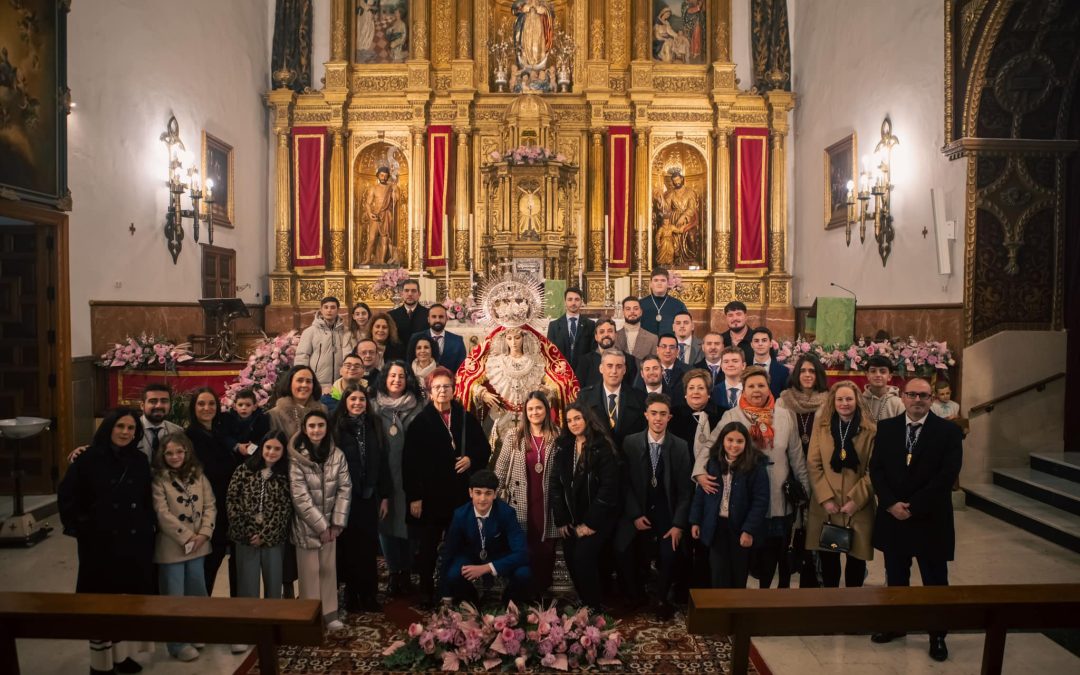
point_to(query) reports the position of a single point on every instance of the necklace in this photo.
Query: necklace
(263, 478)
(539, 448)
(659, 316)
(843, 438)
(804, 423)
(446, 422)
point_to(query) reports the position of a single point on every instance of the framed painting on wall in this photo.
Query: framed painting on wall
(217, 162)
(34, 102)
(839, 169)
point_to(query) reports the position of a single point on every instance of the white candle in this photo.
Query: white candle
(607, 255)
(641, 249)
(446, 249)
(580, 283)
(472, 252)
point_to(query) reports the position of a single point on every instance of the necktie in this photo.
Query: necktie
(713, 370)
(438, 342)
(761, 364)
(667, 376)
(913, 431)
(682, 351)
(611, 409)
(573, 334)
(733, 396)
(155, 438)
(654, 459)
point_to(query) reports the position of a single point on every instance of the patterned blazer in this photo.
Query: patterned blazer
(513, 473)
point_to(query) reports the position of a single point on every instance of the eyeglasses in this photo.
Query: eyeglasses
(919, 395)
(353, 366)
(667, 346)
(441, 387)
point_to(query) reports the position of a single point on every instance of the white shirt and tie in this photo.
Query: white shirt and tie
(656, 445)
(685, 349)
(573, 323)
(153, 435)
(733, 392)
(714, 368)
(914, 429)
(612, 401)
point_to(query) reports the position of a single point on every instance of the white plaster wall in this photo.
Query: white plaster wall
(740, 42)
(320, 41)
(132, 63)
(854, 62)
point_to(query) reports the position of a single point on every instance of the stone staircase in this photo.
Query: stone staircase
(1042, 498)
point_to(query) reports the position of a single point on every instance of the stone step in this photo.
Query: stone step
(1061, 464)
(1044, 487)
(1044, 520)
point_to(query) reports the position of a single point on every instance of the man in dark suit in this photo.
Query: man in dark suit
(485, 538)
(761, 340)
(411, 317)
(657, 505)
(451, 345)
(916, 461)
(651, 377)
(588, 365)
(571, 332)
(738, 333)
(728, 389)
(612, 400)
(671, 369)
(689, 347)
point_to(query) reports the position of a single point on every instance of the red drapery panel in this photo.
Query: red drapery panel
(440, 143)
(620, 194)
(751, 191)
(309, 152)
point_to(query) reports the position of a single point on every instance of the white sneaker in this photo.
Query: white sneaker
(335, 625)
(187, 653)
(238, 648)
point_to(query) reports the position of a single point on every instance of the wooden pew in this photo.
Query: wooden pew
(263, 623)
(742, 613)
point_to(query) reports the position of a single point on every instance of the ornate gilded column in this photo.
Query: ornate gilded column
(779, 102)
(282, 193)
(418, 10)
(597, 48)
(418, 217)
(642, 35)
(339, 23)
(443, 33)
(643, 199)
(721, 11)
(596, 200)
(337, 200)
(464, 29)
(722, 235)
(459, 239)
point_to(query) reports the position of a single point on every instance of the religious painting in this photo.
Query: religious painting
(679, 186)
(679, 31)
(381, 32)
(380, 231)
(839, 171)
(533, 39)
(33, 105)
(217, 162)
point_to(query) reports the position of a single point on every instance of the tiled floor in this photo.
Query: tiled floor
(988, 551)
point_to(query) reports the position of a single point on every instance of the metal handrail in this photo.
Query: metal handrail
(988, 406)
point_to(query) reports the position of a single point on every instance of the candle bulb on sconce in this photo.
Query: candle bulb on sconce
(875, 181)
(183, 176)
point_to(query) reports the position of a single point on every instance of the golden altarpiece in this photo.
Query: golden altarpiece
(613, 69)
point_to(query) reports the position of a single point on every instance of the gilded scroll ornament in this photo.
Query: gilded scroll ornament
(337, 249)
(618, 22)
(748, 292)
(338, 39)
(420, 39)
(444, 31)
(391, 115)
(675, 84)
(281, 249)
(336, 287)
(722, 251)
(380, 83)
(311, 290)
(464, 39)
(778, 292)
(641, 40)
(281, 292)
(597, 38)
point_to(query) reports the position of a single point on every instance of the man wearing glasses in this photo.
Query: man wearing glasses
(916, 461)
(352, 372)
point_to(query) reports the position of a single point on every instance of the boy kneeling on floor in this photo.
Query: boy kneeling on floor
(484, 538)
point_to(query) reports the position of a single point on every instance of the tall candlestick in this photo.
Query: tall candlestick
(580, 274)
(446, 249)
(472, 252)
(607, 255)
(640, 248)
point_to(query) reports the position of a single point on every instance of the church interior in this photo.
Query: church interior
(182, 185)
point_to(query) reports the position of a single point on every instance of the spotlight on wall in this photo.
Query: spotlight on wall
(184, 176)
(875, 182)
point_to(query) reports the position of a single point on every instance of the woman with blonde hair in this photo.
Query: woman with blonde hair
(524, 466)
(838, 462)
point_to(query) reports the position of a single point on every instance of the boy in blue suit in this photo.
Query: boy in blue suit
(484, 538)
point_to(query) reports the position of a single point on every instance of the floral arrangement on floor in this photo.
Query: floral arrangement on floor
(527, 154)
(464, 638)
(908, 355)
(390, 280)
(272, 357)
(146, 351)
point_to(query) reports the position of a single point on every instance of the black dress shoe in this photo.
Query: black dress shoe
(128, 665)
(883, 638)
(94, 671)
(664, 611)
(938, 650)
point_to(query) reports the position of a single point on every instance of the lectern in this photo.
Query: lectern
(223, 311)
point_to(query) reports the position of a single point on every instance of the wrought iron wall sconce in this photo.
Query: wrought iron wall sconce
(876, 183)
(184, 176)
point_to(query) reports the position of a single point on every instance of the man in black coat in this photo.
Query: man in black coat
(656, 510)
(916, 461)
(738, 332)
(671, 369)
(587, 368)
(619, 404)
(572, 333)
(411, 316)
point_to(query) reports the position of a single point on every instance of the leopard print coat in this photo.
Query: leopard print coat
(247, 490)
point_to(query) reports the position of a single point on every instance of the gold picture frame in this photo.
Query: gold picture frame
(219, 163)
(841, 159)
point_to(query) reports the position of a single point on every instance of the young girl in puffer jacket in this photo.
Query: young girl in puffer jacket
(321, 492)
(186, 513)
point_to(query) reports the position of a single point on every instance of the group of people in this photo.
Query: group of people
(700, 465)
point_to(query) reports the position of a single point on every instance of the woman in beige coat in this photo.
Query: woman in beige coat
(838, 460)
(321, 491)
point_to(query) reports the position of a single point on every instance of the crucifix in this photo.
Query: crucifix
(131, 229)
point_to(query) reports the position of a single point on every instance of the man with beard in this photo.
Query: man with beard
(451, 345)
(632, 337)
(156, 404)
(411, 317)
(711, 346)
(588, 365)
(658, 309)
(738, 333)
(689, 346)
(572, 333)
(651, 378)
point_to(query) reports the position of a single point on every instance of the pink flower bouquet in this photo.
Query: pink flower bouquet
(271, 358)
(146, 352)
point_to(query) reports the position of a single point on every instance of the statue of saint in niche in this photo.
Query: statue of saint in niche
(534, 32)
(677, 222)
(379, 208)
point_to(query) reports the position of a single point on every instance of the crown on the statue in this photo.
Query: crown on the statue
(511, 300)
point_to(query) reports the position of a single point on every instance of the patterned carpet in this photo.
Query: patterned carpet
(654, 646)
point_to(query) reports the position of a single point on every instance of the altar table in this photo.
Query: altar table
(125, 387)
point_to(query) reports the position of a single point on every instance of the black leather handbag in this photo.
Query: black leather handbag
(836, 538)
(795, 494)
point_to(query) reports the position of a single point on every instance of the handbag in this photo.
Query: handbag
(795, 493)
(836, 538)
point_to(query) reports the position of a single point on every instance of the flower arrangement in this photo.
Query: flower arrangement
(462, 309)
(675, 281)
(527, 154)
(271, 358)
(391, 279)
(146, 351)
(908, 355)
(453, 639)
